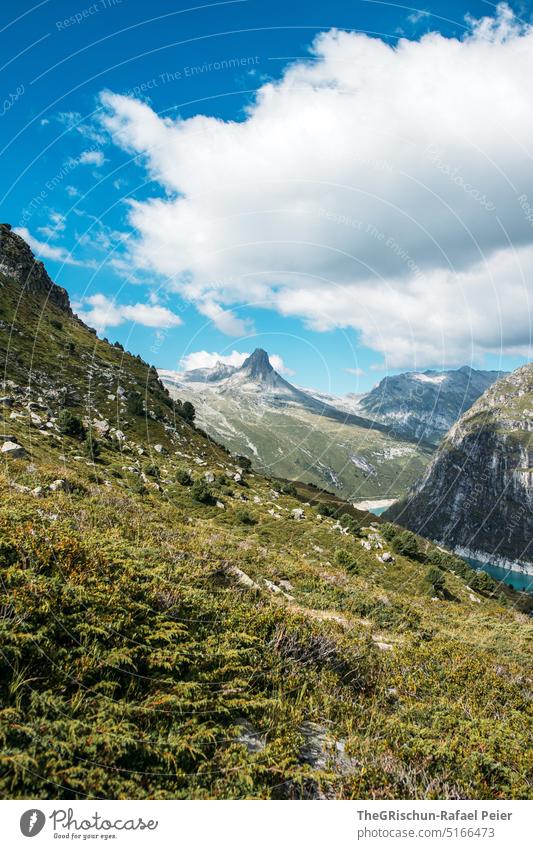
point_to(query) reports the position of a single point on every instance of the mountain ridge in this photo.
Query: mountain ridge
(477, 493)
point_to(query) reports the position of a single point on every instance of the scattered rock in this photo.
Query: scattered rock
(58, 485)
(240, 576)
(249, 736)
(209, 477)
(380, 645)
(286, 585)
(18, 487)
(297, 513)
(387, 557)
(220, 505)
(237, 477)
(321, 751)
(160, 449)
(102, 426)
(13, 449)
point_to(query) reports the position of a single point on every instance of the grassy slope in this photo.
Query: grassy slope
(132, 657)
(299, 444)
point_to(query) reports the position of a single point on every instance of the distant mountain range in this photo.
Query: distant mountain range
(417, 405)
(361, 446)
(290, 432)
(424, 405)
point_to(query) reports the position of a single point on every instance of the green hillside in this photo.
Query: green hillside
(175, 625)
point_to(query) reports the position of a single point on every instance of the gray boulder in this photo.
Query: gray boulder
(13, 449)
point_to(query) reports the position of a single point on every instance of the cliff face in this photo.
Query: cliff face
(18, 263)
(477, 493)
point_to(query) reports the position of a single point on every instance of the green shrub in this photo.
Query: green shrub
(183, 477)
(388, 531)
(346, 560)
(153, 471)
(91, 448)
(202, 493)
(482, 583)
(245, 518)
(134, 404)
(406, 543)
(435, 579)
(350, 522)
(137, 485)
(70, 425)
(185, 410)
(243, 462)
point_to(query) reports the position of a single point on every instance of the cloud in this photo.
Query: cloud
(55, 226)
(417, 16)
(383, 188)
(92, 157)
(46, 251)
(102, 312)
(357, 372)
(208, 359)
(224, 320)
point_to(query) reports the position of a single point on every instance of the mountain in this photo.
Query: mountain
(290, 433)
(424, 405)
(477, 493)
(209, 375)
(175, 626)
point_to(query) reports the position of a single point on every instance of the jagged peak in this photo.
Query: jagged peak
(257, 365)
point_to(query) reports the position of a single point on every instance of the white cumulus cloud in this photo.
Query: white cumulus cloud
(45, 251)
(388, 189)
(100, 312)
(92, 157)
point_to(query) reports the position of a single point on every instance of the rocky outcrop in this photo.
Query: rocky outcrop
(477, 493)
(18, 262)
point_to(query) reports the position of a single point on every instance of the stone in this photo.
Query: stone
(297, 514)
(13, 449)
(160, 449)
(237, 477)
(102, 426)
(241, 577)
(220, 505)
(209, 477)
(58, 485)
(387, 557)
(249, 736)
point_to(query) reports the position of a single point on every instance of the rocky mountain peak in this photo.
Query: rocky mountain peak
(257, 365)
(18, 262)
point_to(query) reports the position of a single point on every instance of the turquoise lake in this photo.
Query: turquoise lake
(517, 580)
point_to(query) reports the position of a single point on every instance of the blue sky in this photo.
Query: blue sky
(72, 163)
